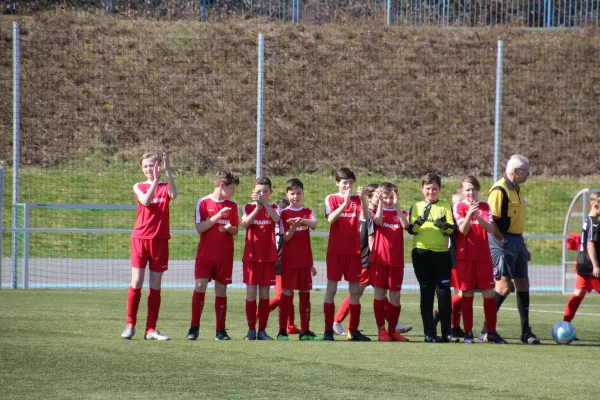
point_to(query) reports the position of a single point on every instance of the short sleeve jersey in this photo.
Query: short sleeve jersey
(474, 246)
(344, 233)
(260, 235)
(152, 221)
(516, 204)
(366, 230)
(388, 248)
(215, 245)
(297, 252)
(590, 233)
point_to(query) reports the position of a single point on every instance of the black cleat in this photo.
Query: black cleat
(433, 339)
(450, 339)
(493, 337)
(357, 336)
(222, 335)
(193, 332)
(529, 338)
(458, 332)
(328, 336)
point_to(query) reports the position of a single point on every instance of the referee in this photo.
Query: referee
(510, 257)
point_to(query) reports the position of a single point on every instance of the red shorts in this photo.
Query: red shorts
(296, 278)
(365, 277)
(220, 271)
(386, 276)
(475, 275)
(153, 251)
(348, 265)
(454, 278)
(259, 273)
(587, 283)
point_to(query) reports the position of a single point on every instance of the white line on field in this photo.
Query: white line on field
(532, 310)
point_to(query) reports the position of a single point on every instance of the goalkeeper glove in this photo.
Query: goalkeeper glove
(442, 223)
(423, 218)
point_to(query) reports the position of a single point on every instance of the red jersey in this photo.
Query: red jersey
(344, 233)
(215, 245)
(475, 245)
(297, 252)
(152, 221)
(388, 248)
(260, 236)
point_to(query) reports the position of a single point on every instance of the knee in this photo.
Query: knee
(579, 293)
(522, 285)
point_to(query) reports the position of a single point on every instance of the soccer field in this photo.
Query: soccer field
(66, 344)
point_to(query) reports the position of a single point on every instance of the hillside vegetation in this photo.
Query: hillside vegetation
(396, 101)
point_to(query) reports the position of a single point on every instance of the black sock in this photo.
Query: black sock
(499, 300)
(523, 306)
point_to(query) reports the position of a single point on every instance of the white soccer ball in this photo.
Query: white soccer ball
(563, 332)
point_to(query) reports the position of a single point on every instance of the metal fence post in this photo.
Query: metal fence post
(259, 103)
(498, 118)
(16, 141)
(388, 11)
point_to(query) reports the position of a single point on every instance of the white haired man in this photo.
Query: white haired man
(510, 257)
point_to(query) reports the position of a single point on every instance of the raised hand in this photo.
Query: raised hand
(442, 223)
(223, 210)
(166, 161)
(257, 197)
(423, 218)
(361, 192)
(347, 197)
(156, 171)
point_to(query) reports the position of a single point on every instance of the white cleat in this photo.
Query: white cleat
(128, 332)
(401, 328)
(155, 335)
(339, 329)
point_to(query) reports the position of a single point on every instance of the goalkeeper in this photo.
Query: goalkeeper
(432, 223)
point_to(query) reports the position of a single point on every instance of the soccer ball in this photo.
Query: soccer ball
(563, 332)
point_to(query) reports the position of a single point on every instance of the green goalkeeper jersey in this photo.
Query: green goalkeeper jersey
(428, 236)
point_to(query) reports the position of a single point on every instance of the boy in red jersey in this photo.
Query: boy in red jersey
(387, 262)
(259, 218)
(343, 211)
(588, 259)
(367, 236)
(297, 267)
(292, 329)
(150, 242)
(473, 258)
(217, 224)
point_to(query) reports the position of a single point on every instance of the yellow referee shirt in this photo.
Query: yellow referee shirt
(516, 205)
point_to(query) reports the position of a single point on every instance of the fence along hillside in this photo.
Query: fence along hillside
(391, 101)
(523, 13)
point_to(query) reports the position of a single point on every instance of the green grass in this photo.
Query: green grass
(66, 344)
(93, 181)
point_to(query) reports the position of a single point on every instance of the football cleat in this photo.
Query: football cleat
(433, 339)
(328, 336)
(458, 332)
(155, 335)
(384, 336)
(193, 333)
(357, 336)
(493, 337)
(338, 329)
(222, 335)
(282, 335)
(128, 332)
(307, 335)
(529, 338)
(251, 335)
(397, 337)
(450, 339)
(403, 328)
(262, 335)
(293, 330)
(469, 337)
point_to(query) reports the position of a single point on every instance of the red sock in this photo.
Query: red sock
(284, 309)
(467, 313)
(304, 311)
(197, 307)
(490, 313)
(379, 310)
(263, 314)
(354, 320)
(456, 310)
(393, 315)
(221, 311)
(387, 303)
(133, 303)
(274, 303)
(342, 312)
(153, 309)
(251, 314)
(571, 307)
(329, 311)
(291, 312)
